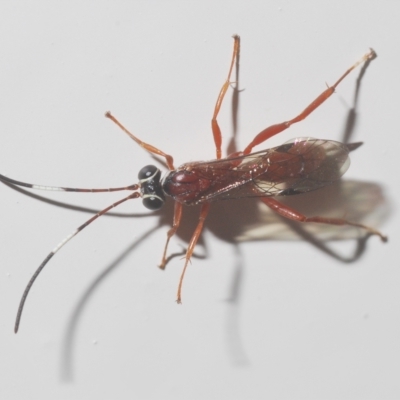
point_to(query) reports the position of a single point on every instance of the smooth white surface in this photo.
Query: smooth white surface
(305, 326)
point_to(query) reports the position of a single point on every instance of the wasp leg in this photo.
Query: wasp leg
(192, 244)
(214, 123)
(275, 129)
(151, 149)
(292, 214)
(175, 225)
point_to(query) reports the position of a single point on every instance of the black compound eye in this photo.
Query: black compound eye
(147, 171)
(152, 202)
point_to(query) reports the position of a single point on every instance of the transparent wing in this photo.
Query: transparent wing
(299, 166)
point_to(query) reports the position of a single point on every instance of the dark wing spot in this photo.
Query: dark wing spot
(284, 148)
(290, 192)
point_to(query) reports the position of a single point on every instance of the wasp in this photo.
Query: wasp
(298, 166)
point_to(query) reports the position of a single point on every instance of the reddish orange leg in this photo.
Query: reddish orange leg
(172, 231)
(146, 146)
(214, 123)
(275, 129)
(290, 213)
(192, 244)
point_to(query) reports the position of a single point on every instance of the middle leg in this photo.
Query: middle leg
(192, 244)
(214, 123)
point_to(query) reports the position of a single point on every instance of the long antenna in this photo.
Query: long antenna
(60, 245)
(64, 189)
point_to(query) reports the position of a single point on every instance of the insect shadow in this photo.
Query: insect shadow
(340, 198)
(228, 222)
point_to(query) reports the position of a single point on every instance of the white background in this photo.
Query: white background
(101, 321)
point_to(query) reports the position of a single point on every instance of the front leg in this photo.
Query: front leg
(175, 225)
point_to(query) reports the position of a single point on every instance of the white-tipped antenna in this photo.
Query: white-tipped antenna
(11, 181)
(61, 244)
